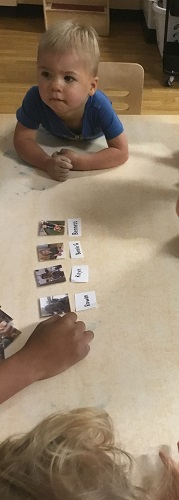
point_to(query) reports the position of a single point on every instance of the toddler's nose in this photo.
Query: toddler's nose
(57, 84)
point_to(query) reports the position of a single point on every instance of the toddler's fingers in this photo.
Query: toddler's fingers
(56, 153)
(61, 170)
(66, 160)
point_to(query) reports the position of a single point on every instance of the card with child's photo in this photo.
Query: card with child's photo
(50, 252)
(8, 335)
(4, 317)
(49, 275)
(51, 227)
(55, 304)
(8, 332)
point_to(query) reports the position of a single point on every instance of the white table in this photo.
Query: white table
(131, 242)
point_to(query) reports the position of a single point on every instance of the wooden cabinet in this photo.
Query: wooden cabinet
(8, 3)
(30, 2)
(94, 12)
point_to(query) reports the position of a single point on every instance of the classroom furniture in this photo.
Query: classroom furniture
(123, 84)
(130, 240)
(95, 13)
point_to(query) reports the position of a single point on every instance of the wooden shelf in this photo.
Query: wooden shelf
(96, 13)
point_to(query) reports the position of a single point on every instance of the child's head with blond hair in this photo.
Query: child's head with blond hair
(72, 37)
(73, 456)
(68, 57)
(70, 456)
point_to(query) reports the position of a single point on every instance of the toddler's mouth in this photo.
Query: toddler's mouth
(56, 99)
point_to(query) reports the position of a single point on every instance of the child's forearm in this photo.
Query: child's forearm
(14, 376)
(31, 153)
(106, 158)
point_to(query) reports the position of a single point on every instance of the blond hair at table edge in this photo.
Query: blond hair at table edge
(73, 456)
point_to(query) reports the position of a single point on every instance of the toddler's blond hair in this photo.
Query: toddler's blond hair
(71, 456)
(70, 36)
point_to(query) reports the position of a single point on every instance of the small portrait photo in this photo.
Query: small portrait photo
(49, 275)
(56, 304)
(4, 319)
(1, 352)
(50, 252)
(51, 227)
(7, 332)
(8, 335)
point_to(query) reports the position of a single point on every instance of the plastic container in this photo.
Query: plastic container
(160, 13)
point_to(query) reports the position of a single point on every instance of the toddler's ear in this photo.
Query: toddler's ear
(93, 85)
(169, 462)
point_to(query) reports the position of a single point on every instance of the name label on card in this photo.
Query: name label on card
(85, 300)
(75, 250)
(79, 274)
(74, 227)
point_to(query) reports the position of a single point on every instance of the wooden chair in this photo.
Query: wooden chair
(123, 84)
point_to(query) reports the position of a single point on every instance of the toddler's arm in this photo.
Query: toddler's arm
(27, 148)
(116, 154)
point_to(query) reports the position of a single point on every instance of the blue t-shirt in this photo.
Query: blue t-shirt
(99, 117)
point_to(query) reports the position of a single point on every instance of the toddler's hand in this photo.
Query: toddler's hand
(71, 155)
(55, 345)
(58, 167)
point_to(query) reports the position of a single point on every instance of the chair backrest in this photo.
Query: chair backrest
(123, 84)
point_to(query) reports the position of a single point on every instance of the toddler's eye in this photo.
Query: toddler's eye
(68, 78)
(45, 74)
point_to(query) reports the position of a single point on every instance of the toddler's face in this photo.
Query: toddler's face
(64, 83)
(45, 252)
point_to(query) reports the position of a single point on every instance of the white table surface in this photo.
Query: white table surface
(130, 240)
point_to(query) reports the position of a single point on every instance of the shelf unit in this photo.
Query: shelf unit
(95, 13)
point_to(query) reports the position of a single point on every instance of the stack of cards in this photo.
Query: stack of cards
(8, 332)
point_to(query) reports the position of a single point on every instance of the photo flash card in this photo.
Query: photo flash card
(56, 304)
(51, 227)
(8, 333)
(85, 300)
(4, 318)
(49, 275)
(50, 252)
(80, 274)
(75, 250)
(74, 227)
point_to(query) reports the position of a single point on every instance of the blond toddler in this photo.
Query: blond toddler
(67, 104)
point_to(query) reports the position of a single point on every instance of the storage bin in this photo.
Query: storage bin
(173, 34)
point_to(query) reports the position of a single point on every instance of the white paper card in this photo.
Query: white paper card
(75, 250)
(74, 227)
(79, 274)
(85, 300)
